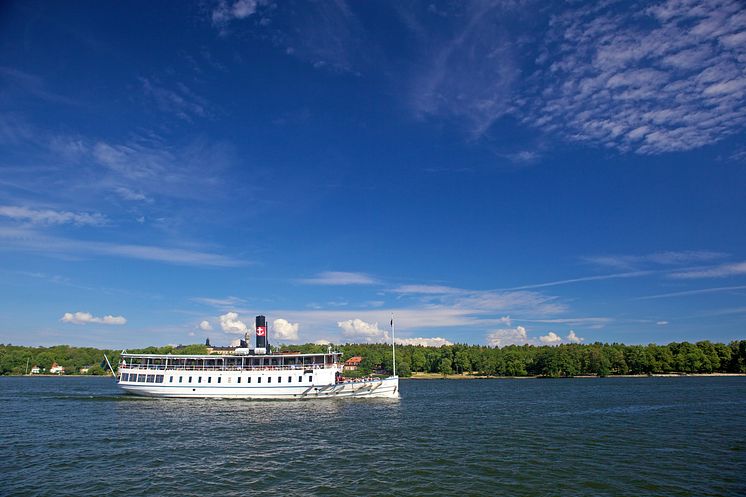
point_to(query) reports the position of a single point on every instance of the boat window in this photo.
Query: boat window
(124, 377)
(309, 378)
(151, 378)
(209, 379)
(290, 379)
(159, 378)
(279, 379)
(170, 379)
(259, 380)
(238, 380)
(300, 379)
(219, 379)
(141, 378)
(190, 379)
(199, 379)
(248, 380)
(229, 379)
(180, 378)
(269, 379)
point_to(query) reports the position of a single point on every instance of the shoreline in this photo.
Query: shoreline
(437, 376)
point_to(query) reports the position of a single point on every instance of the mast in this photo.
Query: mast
(27, 361)
(393, 343)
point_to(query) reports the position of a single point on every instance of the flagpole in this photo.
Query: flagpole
(393, 343)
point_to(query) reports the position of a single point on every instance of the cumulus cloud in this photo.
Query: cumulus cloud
(87, 317)
(573, 338)
(425, 342)
(551, 338)
(205, 326)
(49, 217)
(357, 329)
(284, 330)
(667, 78)
(230, 323)
(508, 336)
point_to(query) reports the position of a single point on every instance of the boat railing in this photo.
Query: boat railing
(181, 367)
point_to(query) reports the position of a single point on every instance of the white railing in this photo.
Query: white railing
(181, 367)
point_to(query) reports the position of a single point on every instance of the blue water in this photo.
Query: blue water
(632, 437)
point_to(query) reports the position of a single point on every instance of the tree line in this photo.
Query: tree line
(599, 359)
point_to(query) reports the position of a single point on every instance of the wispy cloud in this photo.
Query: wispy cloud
(52, 217)
(427, 289)
(630, 274)
(667, 78)
(700, 291)
(721, 271)
(473, 73)
(220, 302)
(670, 258)
(30, 240)
(226, 11)
(180, 100)
(340, 278)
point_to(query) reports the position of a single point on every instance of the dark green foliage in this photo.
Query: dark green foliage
(525, 360)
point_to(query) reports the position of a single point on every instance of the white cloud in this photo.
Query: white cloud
(551, 338)
(426, 289)
(340, 278)
(48, 216)
(508, 336)
(694, 292)
(662, 323)
(205, 326)
(322, 342)
(284, 330)
(180, 101)
(357, 329)
(667, 78)
(573, 338)
(135, 196)
(87, 317)
(225, 12)
(721, 271)
(425, 342)
(230, 323)
(669, 258)
(229, 301)
(28, 239)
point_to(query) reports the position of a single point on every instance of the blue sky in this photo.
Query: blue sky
(491, 172)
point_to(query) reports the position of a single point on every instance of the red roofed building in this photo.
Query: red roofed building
(352, 363)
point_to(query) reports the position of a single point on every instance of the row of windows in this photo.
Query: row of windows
(143, 378)
(158, 378)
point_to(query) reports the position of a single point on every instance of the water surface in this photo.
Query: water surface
(613, 436)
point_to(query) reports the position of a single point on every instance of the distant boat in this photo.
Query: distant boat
(248, 374)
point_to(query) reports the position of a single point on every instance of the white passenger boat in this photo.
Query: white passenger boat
(248, 374)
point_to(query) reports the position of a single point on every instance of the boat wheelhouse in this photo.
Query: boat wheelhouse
(248, 373)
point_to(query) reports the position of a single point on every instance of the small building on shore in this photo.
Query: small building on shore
(36, 370)
(352, 363)
(56, 369)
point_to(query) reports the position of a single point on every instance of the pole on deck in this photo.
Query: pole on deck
(110, 368)
(393, 343)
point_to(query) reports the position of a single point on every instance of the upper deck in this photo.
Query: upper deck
(198, 362)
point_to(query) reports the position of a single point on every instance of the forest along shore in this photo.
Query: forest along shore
(477, 376)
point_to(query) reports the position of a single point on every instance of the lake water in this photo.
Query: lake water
(613, 436)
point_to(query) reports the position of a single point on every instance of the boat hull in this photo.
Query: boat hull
(379, 388)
